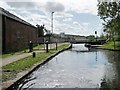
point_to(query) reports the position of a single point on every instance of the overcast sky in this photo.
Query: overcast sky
(77, 17)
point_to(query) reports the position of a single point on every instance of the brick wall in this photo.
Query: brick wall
(0, 32)
(18, 35)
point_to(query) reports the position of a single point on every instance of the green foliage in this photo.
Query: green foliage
(110, 13)
(110, 45)
(22, 64)
(102, 36)
(109, 10)
(40, 29)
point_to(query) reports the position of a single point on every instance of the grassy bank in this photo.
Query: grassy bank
(10, 71)
(111, 46)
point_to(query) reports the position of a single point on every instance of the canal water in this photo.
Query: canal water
(77, 68)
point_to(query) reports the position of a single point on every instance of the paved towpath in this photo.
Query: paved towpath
(13, 58)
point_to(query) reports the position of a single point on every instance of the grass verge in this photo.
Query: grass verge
(10, 71)
(110, 46)
(5, 55)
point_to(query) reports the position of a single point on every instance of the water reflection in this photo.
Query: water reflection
(77, 68)
(112, 70)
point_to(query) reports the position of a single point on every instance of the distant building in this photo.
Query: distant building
(62, 37)
(72, 38)
(16, 33)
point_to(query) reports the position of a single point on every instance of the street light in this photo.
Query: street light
(52, 26)
(52, 22)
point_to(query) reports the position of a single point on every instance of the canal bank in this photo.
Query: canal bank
(112, 46)
(76, 68)
(24, 73)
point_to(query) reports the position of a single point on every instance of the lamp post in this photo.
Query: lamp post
(52, 22)
(51, 25)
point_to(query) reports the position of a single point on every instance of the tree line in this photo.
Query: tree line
(110, 14)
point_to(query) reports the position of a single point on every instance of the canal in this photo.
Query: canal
(77, 68)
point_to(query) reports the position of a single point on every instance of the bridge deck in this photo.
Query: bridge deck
(100, 42)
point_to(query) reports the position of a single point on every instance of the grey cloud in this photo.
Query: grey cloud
(54, 7)
(24, 8)
(28, 5)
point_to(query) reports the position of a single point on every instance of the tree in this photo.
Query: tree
(110, 13)
(40, 30)
(102, 36)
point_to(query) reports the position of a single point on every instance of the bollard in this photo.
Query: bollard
(46, 46)
(34, 54)
(71, 46)
(30, 46)
(56, 45)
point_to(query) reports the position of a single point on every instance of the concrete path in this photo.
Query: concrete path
(13, 58)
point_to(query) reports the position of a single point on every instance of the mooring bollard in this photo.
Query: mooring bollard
(34, 54)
